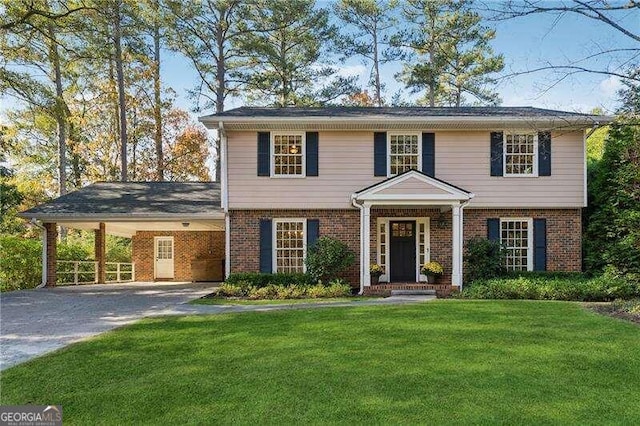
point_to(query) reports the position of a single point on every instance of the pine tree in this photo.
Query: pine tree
(452, 56)
(285, 49)
(368, 32)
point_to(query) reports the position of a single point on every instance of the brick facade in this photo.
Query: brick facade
(343, 225)
(187, 246)
(563, 233)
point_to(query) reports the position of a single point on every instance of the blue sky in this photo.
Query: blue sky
(526, 43)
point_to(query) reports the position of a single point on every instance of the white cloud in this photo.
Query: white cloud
(351, 70)
(609, 86)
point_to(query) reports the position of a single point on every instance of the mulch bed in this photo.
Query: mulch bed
(607, 309)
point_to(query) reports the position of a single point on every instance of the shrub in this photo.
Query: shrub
(338, 288)
(260, 279)
(20, 263)
(537, 286)
(234, 290)
(327, 258)
(484, 259)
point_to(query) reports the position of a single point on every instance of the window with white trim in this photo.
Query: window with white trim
(287, 154)
(289, 245)
(404, 153)
(520, 154)
(516, 236)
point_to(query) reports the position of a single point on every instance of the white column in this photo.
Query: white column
(456, 273)
(366, 241)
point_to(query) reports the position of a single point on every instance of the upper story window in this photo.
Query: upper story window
(404, 152)
(516, 235)
(520, 154)
(288, 154)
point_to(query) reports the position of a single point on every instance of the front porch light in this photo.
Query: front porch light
(185, 224)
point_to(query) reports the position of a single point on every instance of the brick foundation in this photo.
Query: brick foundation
(188, 245)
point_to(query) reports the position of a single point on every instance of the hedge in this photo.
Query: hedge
(558, 286)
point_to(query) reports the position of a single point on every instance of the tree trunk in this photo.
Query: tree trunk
(60, 112)
(157, 106)
(117, 39)
(376, 68)
(221, 70)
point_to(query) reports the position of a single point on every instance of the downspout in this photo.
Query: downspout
(225, 198)
(43, 231)
(360, 207)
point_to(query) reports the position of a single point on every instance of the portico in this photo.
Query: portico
(405, 217)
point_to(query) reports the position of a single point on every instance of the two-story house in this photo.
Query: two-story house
(402, 186)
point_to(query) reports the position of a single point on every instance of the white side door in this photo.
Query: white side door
(164, 257)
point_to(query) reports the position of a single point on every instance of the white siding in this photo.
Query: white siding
(346, 165)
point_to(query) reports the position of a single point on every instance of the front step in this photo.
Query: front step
(415, 292)
(387, 289)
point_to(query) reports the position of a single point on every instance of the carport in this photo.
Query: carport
(177, 230)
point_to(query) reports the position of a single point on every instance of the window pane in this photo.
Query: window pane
(519, 154)
(403, 153)
(287, 155)
(514, 236)
(289, 247)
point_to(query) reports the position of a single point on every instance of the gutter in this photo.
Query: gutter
(43, 232)
(362, 274)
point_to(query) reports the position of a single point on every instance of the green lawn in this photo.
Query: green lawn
(222, 301)
(481, 362)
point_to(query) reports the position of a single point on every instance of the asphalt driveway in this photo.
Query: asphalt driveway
(34, 322)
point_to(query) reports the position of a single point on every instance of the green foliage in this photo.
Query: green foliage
(21, 258)
(452, 54)
(613, 220)
(260, 279)
(20, 263)
(327, 258)
(553, 287)
(287, 49)
(244, 289)
(484, 259)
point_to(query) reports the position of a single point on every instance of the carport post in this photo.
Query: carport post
(52, 253)
(100, 252)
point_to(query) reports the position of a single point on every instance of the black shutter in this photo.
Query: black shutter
(313, 232)
(429, 154)
(264, 148)
(380, 154)
(266, 245)
(493, 229)
(539, 244)
(544, 154)
(496, 154)
(312, 153)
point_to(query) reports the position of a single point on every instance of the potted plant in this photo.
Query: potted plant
(375, 270)
(433, 271)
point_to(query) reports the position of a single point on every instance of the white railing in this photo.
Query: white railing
(86, 272)
(121, 270)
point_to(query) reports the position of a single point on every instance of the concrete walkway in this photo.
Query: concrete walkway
(35, 322)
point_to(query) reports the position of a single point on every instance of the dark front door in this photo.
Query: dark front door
(403, 251)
